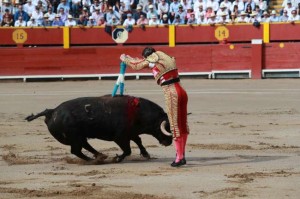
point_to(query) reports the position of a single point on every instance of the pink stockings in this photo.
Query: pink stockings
(180, 143)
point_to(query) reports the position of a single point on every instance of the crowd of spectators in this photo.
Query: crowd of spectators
(31, 13)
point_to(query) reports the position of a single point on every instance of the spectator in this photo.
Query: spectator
(243, 18)
(143, 4)
(199, 11)
(189, 11)
(192, 20)
(151, 12)
(289, 8)
(32, 22)
(63, 15)
(101, 21)
(224, 18)
(21, 13)
(20, 22)
(142, 21)
(65, 6)
(163, 8)
(174, 8)
(82, 21)
(221, 11)
(186, 4)
(16, 5)
(209, 11)
(201, 19)
(294, 17)
(262, 5)
(95, 5)
(91, 22)
(129, 22)
(273, 17)
(154, 21)
(251, 4)
(190, 2)
(138, 13)
(7, 5)
(235, 11)
(214, 4)
(97, 15)
(114, 21)
(199, 3)
(284, 17)
(38, 15)
(248, 10)
(46, 21)
(254, 18)
(239, 4)
(85, 13)
(212, 20)
(7, 19)
(86, 4)
(29, 7)
(292, 2)
(178, 20)
(57, 21)
(165, 20)
(266, 17)
(43, 5)
(110, 13)
(228, 5)
(70, 22)
(124, 10)
(51, 15)
(233, 17)
(258, 11)
(146, 8)
(181, 13)
(76, 5)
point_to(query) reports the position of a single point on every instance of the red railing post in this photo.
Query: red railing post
(256, 70)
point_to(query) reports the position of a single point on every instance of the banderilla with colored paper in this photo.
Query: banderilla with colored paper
(120, 80)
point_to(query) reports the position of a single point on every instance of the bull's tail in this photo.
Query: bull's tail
(47, 113)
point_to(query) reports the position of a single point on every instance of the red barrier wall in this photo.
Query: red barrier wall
(282, 56)
(95, 60)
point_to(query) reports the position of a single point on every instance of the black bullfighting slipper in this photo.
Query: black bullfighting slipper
(178, 164)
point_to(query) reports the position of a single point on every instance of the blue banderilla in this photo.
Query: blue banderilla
(120, 80)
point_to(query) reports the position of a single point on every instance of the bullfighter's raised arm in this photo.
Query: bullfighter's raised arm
(135, 63)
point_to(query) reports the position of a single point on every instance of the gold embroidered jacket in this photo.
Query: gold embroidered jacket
(163, 63)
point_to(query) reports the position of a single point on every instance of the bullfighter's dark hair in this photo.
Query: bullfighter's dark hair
(148, 51)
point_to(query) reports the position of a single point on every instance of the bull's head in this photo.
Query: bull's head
(165, 136)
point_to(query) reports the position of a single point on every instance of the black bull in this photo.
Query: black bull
(119, 119)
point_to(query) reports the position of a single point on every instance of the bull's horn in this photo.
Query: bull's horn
(163, 129)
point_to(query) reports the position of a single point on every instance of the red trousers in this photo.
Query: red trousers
(176, 100)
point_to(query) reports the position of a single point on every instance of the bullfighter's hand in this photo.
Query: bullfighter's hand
(122, 57)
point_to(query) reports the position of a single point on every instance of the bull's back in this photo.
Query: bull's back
(93, 117)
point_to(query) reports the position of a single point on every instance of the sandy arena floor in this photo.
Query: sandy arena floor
(244, 143)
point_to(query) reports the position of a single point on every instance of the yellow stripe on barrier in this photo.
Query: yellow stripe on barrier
(171, 36)
(266, 33)
(66, 37)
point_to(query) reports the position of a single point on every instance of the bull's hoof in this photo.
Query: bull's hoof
(101, 156)
(146, 155)
(117, 159)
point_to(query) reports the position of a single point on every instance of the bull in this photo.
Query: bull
(119, 119)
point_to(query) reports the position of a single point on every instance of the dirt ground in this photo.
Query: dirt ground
(244, 143)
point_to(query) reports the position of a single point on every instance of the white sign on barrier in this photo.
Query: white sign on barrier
(120, 35)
